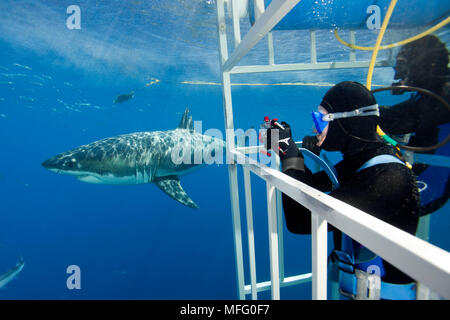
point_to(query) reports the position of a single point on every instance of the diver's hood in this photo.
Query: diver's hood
(422, 63)
(353, 134)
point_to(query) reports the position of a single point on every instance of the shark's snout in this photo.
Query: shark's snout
(59, 164)
(49, 164)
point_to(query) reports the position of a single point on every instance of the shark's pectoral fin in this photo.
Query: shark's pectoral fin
(171, 185)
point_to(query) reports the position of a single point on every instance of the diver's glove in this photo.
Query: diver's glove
(310, 143)
(290, 156)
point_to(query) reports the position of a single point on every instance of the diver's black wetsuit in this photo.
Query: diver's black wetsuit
(386, 191)
(419, 114)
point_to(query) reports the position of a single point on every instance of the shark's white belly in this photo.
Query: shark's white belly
(108, 179)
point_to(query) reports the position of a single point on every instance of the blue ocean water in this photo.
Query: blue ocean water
(131, 242)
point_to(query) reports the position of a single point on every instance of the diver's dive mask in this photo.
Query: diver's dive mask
(401, 73)
(321, 119)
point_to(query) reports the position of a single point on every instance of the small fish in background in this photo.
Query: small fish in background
(22, 66)
(11, 274)
(26, 98)
(4, 116)
(124, 97)
(120, 272)
(40, 84)
(14, 75)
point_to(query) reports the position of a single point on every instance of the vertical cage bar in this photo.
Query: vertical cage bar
(423, 232)
(312, 35)
(270, 48)
(259, 10)
(352, 41)
(280, 225)
(232, 167)
(236, 23)
(319, 257)
(273, 241)
(250, 232)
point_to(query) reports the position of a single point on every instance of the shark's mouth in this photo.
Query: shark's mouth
(89, 178)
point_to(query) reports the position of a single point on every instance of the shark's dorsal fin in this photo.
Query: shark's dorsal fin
(186, 121)
(171, 185)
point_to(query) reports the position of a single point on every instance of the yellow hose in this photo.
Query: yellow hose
(396, 44)
(375, 52)
(378, 43)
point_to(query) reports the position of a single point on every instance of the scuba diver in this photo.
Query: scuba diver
(423, 64)
(371, 178)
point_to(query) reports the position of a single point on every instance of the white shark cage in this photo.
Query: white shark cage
(426, 263)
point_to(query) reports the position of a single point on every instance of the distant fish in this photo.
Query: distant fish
(14, 75)
(26, 98)
(151, 82)
(70, 108)
(6, 82)
(3, 116)
(84, 104)
(124, 97)
(22, 66)
(36, 83)
(46, 77)
(9, 275)
(38, 78)
(121, 272)
(68, 84)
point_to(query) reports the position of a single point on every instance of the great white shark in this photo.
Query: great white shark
(11, 274)
(158, 157)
